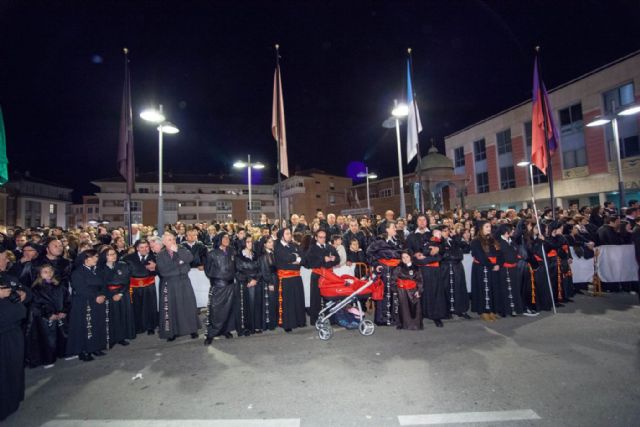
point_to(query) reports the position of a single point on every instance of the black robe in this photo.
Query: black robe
(409, 305)
(455, 282)
(381, 252)
(12, 313)
(178, 308)
(269, 277)
(88, 326)
(314, 259)
(545, 296)
(434, 299)
(249, 300)
(510, 280)
(121, 323)
(291, 313)
(47, 339)
(220, 269)
(485, 282)
(199, 252)
(144, 299)
(564, 255)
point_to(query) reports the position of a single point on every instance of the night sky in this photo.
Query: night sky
(211, 66)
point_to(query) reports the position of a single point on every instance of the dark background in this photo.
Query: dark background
(211, 65)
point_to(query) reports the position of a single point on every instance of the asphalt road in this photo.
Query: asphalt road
(580, 367)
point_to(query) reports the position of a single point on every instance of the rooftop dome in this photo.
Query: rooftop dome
(435, 160)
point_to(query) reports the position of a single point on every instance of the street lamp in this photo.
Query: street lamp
(399, 112)
(157, 117)
(242, 164)
(612, 118)
(368, 176)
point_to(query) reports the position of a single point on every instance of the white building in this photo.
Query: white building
(187, 198)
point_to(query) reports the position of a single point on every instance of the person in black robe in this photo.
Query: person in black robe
(453, 273)
(291, 313)
(320, 255)
(116, 277)
(407, 282)
(47, 331)
(88, 325)
(178, 307)
(510, 276)
(249, 291)
(564, 261)
(545, 295)
(269, 282)
(485, 278)
(384, 256)
(12, 314)
(24, 268)
(434, 303)
(220, 269)
(197, 249)
(142, 287)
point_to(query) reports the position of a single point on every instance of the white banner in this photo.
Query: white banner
(617, 263)
(581, 269)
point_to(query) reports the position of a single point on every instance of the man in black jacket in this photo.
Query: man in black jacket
(197, 249)
(608, 234)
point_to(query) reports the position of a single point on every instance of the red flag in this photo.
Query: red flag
(277, 122)
(541, 119)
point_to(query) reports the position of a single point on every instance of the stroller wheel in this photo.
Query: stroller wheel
(319, 323)
(325, 333)
(367, 328)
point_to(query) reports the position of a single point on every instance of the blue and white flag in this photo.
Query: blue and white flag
(414, 115)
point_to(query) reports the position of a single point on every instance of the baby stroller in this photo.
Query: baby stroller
(340, 291)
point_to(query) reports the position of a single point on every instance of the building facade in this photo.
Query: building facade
(187, 198)
(33, 202)
(308, 192)
(81, 213)
(584, 167)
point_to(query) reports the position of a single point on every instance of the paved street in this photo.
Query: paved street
(579, 368)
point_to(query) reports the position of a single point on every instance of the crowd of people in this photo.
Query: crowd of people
(67, 293)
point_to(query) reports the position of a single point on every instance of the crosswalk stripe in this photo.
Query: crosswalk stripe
(467, 417)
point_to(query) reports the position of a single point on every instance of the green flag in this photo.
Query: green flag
(4, 162)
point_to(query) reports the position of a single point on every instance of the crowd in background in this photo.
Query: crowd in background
(67, 293)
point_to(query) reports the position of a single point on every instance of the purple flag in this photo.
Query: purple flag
(126, 160)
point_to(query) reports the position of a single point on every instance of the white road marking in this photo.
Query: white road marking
(275, 422)
(467, 417)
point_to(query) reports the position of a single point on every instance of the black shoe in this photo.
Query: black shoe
(124, 343)
(559, 304)
(465, 316)
(111, 345)
(99, 353)
(288, 330)
(257, 331)
(208, 341)
(150, 332)
(246, 333)
(438, 323)
(173, 338)
(85, 357)
(569, 300)
(228, 335)
(194, 335)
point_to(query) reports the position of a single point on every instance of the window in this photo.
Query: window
(332, 199)
(170, 205)
(223, 205)
(385, 192)
(574, 153)
(482, 182)
(503, 140)
(538, 177)
(332, 186)
(96, 209)
(627, 126)
(32, 212)
(90, 210)
(458, 156)
(479, 149)
(256, 205)
(112, 203)
(53, 214)
(143, 190)
(507, 177)
(188, 203)
(183, 217)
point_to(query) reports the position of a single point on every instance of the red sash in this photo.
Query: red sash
(284, 274)
(509, 265)
(406, 284)
(492, 259)
(392, 262)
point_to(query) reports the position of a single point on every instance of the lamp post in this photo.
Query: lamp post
(523, 164)
(157, 117)
(612, 118)
(399, 112)
(368, 176)
(242, 164)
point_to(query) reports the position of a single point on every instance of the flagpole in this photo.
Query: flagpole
(544, 251)
(546, 137)
(421, 208)
(127, 83)
(278, 83)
